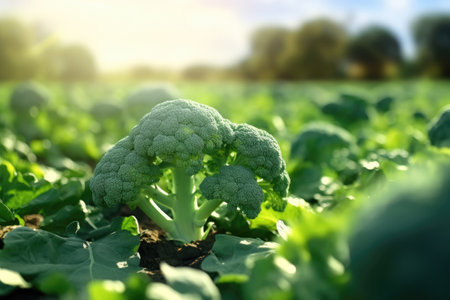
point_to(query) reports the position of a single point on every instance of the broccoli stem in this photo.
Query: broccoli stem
(185, 207)
(152, 210)
(160, 196)
(205, 210)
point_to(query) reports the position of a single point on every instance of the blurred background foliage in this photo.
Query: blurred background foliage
(320, 49)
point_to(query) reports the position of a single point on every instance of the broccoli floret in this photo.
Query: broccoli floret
(348, 109)
(237, 186)
(318, 141)
(106, 110)
(144, 98)
(439, 130)
(26, 96)
(186, 157)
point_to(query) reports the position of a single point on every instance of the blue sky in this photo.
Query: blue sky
(176, 33)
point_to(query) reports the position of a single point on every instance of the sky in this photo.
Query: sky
(178, 33)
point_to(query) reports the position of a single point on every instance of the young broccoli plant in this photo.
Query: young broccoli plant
(183, 160)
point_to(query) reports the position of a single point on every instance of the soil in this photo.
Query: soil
(32, 221)
(155, 248)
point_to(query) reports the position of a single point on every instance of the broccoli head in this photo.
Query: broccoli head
(185, 157)
(146, 97)
(26, 96)
(237, 186)
(106, 110)
(318, 141)
(439, 130)
(347, 110)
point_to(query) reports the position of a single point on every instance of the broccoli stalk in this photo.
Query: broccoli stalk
(176, 145)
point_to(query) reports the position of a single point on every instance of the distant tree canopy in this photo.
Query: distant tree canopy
(268, 46)
(375, 53)
(23, 56)
(313, 51)
(16, 61)
(316, 51)
(432, 38)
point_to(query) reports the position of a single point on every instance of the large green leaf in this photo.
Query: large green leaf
(37, 254)
(233, 255)
(6, 215)
(183, 284)
(17, 189)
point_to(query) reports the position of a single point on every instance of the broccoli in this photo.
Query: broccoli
(26, 102)
(318, 141)
(183, 160)
(146, 97)
(106, 110)
(439, 130)
(26, 96)
(349, 109)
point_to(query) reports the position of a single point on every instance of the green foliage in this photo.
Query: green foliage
(316, 50)
(397, 245)
(26, 96)
(317, 142)
(349, 109)
(15, 50)
(439, 130)
(269, 46)
(376, 51)
(72, 259)
(431, 33)
(295, 248)
(235, 256)
(184, 283)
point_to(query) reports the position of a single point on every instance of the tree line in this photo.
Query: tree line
(26, 54)
(323, 49)
(320, 49)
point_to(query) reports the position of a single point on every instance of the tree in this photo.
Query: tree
(432, 38)
(268, 45)
(67, 62)
(16, 61)
(374, 53)
(315, 51)
(78, 63)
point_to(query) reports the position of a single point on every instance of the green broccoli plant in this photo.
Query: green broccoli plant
(26, 102)
(439, 129)
(27, 95)
(146, 97)
(183, 160)
(318, 141)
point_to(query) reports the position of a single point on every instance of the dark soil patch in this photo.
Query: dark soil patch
(32, 221)
(155, 248)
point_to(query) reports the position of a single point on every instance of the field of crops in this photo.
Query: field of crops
(359, 209)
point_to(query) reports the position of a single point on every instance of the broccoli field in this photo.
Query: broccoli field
(314, 190)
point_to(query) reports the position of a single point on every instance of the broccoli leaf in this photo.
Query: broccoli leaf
(39, 254)
(233, 255)
(184, 283)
